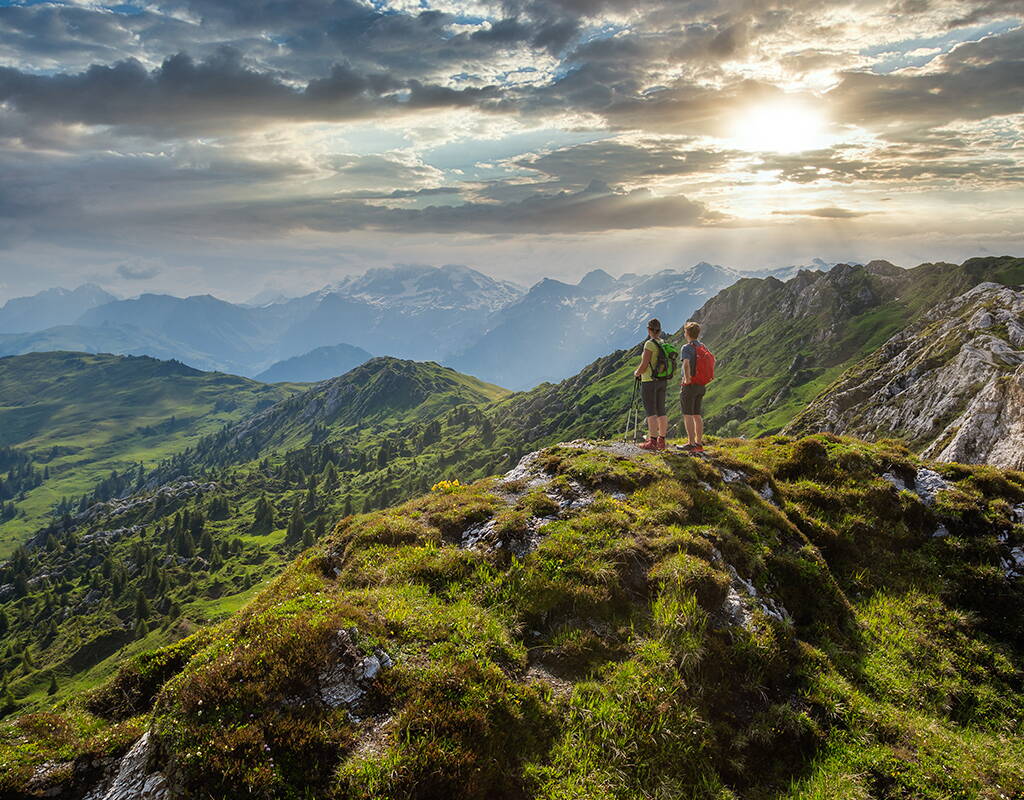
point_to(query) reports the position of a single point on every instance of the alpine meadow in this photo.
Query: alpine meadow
(520, 400)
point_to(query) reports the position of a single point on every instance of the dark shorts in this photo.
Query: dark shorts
(690, 397)
(654, 393)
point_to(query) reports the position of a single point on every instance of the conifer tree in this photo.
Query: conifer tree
(330, 479)
(184, 544)
(263, 519)
(296, 526)
(206, 544)
(141, 607)
(7, 702)
(52, 690)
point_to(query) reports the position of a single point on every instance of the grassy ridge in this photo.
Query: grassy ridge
(195, 550)
(83, 415)
(611, 659)
(780, 345)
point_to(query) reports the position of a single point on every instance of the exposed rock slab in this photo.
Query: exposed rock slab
(952, 386)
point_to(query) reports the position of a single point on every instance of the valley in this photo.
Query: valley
(175, 533)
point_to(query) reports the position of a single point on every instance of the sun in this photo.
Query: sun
(779, 127)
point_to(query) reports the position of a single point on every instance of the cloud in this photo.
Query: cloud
(137, 271)
(974, 81)
(618, 162)
(400, 194)
(829, 212)
(595, 208)
(235, 119)
(220, 93)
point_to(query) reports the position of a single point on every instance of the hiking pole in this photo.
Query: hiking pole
(636, 412)
(629, 411)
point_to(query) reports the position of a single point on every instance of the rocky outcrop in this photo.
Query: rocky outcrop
(952, 385)
(842, 292)
(135, 778)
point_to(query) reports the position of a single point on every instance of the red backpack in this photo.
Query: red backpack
(705, 371)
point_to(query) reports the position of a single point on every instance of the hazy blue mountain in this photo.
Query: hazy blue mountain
(557, 327)
(127, 340)
(316, 365)
(406, 311)
(236, 336)
(49, 308)
(452, 314)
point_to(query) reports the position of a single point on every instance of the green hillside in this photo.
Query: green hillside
(238, 479)
(789, 619)
(779, 345)
(152, 556)
(80, 416)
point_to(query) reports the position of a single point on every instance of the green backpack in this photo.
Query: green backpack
(665, 365)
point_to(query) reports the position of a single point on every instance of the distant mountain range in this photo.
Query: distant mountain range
(50, 308)
(316, 365)
(455, 315)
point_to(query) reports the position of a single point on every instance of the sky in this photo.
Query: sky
(240, 146)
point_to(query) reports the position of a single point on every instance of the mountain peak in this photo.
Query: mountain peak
(882, 267)
(597, 280)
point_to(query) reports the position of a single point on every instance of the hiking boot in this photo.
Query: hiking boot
(698, 448)
(688, 448)
(661, 442)
(650, 443)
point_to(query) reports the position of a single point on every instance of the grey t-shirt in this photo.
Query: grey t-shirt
(690, 351)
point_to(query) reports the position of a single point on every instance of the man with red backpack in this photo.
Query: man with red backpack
(698, 370)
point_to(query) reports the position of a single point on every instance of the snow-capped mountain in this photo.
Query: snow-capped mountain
(413, 288)
(455, 315)
(557, 328)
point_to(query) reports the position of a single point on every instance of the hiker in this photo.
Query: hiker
(653, 389)
(698, 370)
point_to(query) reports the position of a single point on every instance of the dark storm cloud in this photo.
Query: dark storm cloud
(220, 92)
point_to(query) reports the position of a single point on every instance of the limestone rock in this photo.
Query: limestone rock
(952, 386)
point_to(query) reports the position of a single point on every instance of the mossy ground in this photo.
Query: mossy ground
(603, 663)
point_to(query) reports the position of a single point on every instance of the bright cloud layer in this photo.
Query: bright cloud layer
(291, 142)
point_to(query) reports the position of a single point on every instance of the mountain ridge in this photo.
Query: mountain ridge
(951, 385)
(597, 621)
(317, 365)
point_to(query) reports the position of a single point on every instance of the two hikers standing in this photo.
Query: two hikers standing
(657, 365)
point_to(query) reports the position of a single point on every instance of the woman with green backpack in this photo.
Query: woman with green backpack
(657, 366)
